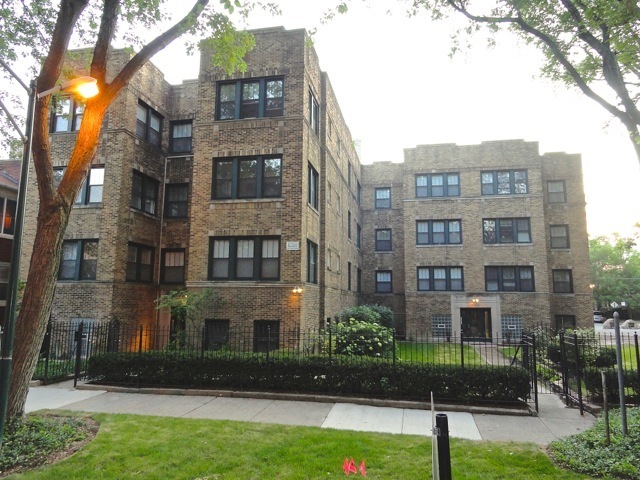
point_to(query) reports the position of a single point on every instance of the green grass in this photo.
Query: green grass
(438, 353)
(135, 447)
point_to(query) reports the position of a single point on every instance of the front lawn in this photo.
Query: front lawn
(440, 353)
(135, 447)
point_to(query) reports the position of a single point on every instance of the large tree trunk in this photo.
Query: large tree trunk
(36, 305)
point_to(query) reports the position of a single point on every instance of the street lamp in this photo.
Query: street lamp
(6, 345)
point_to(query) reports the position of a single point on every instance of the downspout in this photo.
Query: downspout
(159, 263)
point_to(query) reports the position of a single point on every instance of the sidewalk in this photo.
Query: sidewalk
(554, 419)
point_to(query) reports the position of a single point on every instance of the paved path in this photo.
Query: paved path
(554, 419)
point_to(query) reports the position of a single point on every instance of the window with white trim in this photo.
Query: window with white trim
(437, 185)
(244, 258)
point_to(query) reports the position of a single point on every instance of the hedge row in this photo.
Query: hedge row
(313, 375)
(593, 384)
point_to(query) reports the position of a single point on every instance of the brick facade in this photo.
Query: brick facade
(469, 207)
(322, 201)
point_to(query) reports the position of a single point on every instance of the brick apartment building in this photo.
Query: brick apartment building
(481, 238)
(250, 184)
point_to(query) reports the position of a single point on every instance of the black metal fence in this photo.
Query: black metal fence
(561, 362)
(68, 345)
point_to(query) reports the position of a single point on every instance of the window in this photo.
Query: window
(559, 236)
(438, 232)
(438, 185)
(383, 197)
(244, 258)
(314, 113)
(358, 192)
(358, 235)
(139, 263)
(9, 215)
(359, 280)
(67, 115)
(144, 194)
(506, 182)
(562, 281)
(556, 191)
(506, 230)
(180, 141)
(440, 279)
(247, 177)
(149, 124)
(79, 260)
(312, 262)
(266, 335)
(254, 98)
(563, 322)
(216, 334)
(348, 275)
(509, 279)
(172, 266)
(383, 240)
(383, 281)
(91, 190)
(349, 225)
(313, 187)
(176, 200)
(349, 174)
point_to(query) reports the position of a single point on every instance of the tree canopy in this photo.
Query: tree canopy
(615, 270)
(593, 45)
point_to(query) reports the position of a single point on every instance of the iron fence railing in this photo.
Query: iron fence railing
(557, 361)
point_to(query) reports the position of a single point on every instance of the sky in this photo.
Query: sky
(397, 88)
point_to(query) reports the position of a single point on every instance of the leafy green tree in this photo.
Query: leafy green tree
(39, 31)
(593, 45)
(615, 270)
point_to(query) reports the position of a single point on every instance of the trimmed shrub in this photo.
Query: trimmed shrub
(362, 338)
(362, 313)
(386, 314)
(593, 383)
(366, 377)
(606, 357)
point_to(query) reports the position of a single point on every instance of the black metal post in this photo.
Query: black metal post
(579, 377)
(535, 370)
(444, 452)
(635, 340)
(47, 340)
(623, 405)
(462, 350)
(139, 357)
(6, 349)
(78, 336)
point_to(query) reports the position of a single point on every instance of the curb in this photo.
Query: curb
(299, 397)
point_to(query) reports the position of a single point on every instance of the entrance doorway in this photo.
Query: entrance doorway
(476, 323)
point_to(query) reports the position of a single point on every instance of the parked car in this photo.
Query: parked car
(597, 317)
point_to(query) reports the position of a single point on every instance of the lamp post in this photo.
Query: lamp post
(8, 331)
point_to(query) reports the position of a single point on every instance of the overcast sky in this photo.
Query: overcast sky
(398, 88)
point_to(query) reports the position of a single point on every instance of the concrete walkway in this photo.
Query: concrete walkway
(554, 419)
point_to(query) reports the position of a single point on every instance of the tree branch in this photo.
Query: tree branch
(153, 47)
(70, 11)
(108, 25)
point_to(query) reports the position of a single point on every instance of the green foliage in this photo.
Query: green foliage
(363, 338)
(593, 45)
(615, 269)
(190, 306)
(386, 314)
(361, 313)
(367, 376)
(589, 453)
(29, 441)
(593, 383)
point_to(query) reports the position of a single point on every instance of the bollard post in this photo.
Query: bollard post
(444, 452)
(78, 335)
